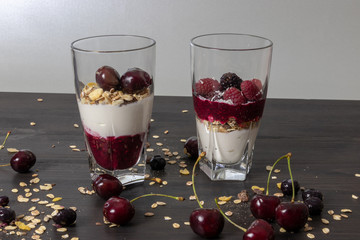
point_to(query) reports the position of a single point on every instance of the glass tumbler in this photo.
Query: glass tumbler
(230, 74)
(114, 82)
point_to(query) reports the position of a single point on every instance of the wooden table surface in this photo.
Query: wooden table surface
(323, 136)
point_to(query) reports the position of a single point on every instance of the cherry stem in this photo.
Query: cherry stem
(272, 168)
(159, 195)
(193, 177)
(291, 176)
(226, 217)
(7, 135)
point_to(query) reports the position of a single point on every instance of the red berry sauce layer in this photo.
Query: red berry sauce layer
(220, 111)
(114, 153)
(231, 99)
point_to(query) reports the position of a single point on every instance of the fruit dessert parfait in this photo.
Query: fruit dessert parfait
(115, 112)
(228, 117)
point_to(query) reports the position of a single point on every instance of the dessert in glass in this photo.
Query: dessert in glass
(114, 81)
(230, 75)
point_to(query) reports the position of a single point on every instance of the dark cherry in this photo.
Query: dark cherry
(107, 186)
(107, 78)
(22, 161)
(263, 206)
(65, 217)
(292, 216)
(286, 187)
(7, 215)
(307, 193)
(118, 210)
(315, 205)
(206, 222)
(4, 201)
(229, 80)
(259, 230)
(191, 147)
(135, 80)
(157, 162)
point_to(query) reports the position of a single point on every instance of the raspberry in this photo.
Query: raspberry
(206, 85)
(258, 83)
(228, 80)
(250, 90)
(234, 95)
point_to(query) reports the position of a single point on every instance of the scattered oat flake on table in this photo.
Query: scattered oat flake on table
(76, 125)
(222, 202)
(229, 213)
(277, 170)
(155, 136)
(32, 123)
(357, 174)
(40, 100)
(176, 225)
(154, 205)
(331, 212)
(185, 111)
(22, 226)
(225, 198)
(150, 150)
(12, 150)
(268, 168)
(278, 185)
(184, 171)
(336, 217)
(161, 203)
(257, 189)
(167, 218)
(310, 235)
(237, 201)
(325, 230)
(61, 229)
(325, 221)
(354, 196)
(166, 131)
(57, 199)
(149, 214)
(345, 210)
(278, 194)
(182, 140)
(189, 183)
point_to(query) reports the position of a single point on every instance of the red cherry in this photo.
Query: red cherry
(191, 147)
(107, 78)
(118, 210)
(207, 222)
(107, 186)
(22, 161)
(263, 206)
(292, 216)
(259, 230)
(135, 80)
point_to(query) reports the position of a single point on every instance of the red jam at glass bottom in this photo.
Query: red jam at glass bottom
(114, 153)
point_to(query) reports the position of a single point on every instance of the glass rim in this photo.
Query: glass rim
(73, 47)
(269, 45)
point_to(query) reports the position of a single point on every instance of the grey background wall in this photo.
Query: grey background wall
(316, 42)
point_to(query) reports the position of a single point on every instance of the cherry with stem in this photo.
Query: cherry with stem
(120, 211)
(258, 230)
(263, 206)
(292, 216)
(205, 222)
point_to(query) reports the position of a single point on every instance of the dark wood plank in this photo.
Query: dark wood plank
(324, 137)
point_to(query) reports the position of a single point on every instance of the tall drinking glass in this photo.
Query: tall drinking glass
(230, 74)
(114, 82)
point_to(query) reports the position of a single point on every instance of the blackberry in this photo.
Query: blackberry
(65, 217)
(7, 215)
(4, 201)
(315, 205)
(286, 187)
(157, 163)
(307, 193)
(228, 80)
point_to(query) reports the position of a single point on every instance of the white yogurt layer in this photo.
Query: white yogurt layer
(225, 148)
(108, 120)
